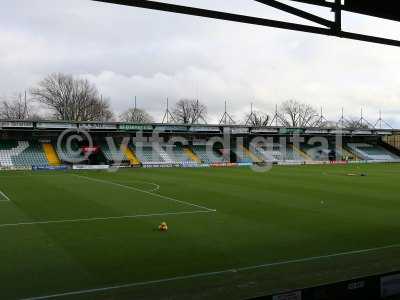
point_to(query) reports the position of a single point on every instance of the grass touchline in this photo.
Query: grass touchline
(232, 270)
(103, 218)
(98, 230)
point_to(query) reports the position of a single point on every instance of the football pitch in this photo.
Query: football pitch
(233, 233)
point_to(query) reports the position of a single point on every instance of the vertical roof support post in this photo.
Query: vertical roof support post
(337, 9)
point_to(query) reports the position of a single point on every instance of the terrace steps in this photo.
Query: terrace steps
(131, 156)
(347, 152)
(51, 155)
(304, 155)
(392, 141)
(391, 145)
(191, 155)
(250, 154)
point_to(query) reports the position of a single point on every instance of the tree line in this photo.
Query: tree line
(66, 98)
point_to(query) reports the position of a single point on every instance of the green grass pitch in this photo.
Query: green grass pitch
(233, 233)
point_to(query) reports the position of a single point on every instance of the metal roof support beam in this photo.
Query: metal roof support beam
(219, 15)
(323, 3)
(297, 12)
(337, 9)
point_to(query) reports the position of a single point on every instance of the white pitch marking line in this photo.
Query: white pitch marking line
(157, 187)
(268, 265)
(146, 192)
(103, 218)
(6, 199)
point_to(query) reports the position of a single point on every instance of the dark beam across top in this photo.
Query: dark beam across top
(317, 2)
(297, 12)
(385, 9)
(219, 15)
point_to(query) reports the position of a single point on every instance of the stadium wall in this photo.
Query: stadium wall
(393, 141)
(373, 287)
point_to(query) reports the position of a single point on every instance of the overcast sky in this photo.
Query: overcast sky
(155, 55)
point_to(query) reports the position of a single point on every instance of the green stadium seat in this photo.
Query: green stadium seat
(22, 154)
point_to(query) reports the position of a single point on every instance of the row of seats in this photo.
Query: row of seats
(276, 152)
(242, 156)
(22, 153)
(177, 154)
(115, 154)
(318, 153)
(163, 154)
(208, 157)
(72, 154)
(147, 155)
(372, 152)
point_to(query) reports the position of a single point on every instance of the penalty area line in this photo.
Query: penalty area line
(103, 218)
(144, 191)
(4, 198)
(199, 275)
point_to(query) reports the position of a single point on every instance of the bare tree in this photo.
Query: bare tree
(97, 109)
(15, 108)
(257, 118)
(190, 111)
(72, 99)
(199, 111)
(297, 114)
(136, 115)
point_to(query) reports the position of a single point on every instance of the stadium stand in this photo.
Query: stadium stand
(348, 155)
(243, 156)
(163, 154)
(70, 155)
(177, 153)
(276, 152)
(131, 156)
(22, 153)
(317, 153)
(16, 149)
(207, 158)
(255, 158)
(193, 157)
(300, 154)
(392, 141)
(113, 155)
(147, 155)
(51, 155)
(372, 152)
